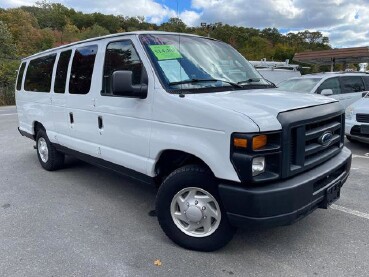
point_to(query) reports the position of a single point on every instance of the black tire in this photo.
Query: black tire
(185, 177)
(55, 158)
(350, 139)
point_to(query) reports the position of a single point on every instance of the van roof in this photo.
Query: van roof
(105, 37)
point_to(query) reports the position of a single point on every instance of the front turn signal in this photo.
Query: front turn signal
(240, 142)
(259, 142)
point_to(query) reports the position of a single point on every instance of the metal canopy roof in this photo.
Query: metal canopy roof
(326, 57)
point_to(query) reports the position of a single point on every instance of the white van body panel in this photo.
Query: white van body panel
(137, 131)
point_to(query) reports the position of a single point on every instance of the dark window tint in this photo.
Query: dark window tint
(121, 55)
(39, 72)
(352, 84)
(366, 81)
(61, 71)
(20, 76)
(332, 83)
(82, 69)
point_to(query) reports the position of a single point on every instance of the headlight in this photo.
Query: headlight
(258, 166)
(349, 112)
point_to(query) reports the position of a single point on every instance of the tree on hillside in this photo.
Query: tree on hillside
(94, 31)
(7, 46)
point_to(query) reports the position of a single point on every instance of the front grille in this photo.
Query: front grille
(361, 117)
(307, 149)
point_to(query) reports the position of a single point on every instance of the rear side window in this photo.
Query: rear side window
(61, 71)
(82, 69)
(352, 84)
(366, 81)
(121, 55)
(331, 83)
(39, 73)
(20, 76)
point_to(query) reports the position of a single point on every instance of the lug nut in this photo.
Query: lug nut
(188, 204)
(204, 216)
(196, 202)
(203, 208)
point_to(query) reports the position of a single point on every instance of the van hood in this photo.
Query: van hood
(261, 105)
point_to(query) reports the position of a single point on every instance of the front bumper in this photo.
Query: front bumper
(352, 129)
(287, 201)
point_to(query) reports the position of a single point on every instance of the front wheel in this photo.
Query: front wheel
(190, 212)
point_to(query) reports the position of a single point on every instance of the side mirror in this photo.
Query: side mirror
(122, 85)
(365, 94)
(326, 92)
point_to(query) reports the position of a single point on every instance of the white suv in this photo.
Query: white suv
(192, 116)
(345, 87)
(357, 120)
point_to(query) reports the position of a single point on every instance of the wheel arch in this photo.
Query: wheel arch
(171, 159)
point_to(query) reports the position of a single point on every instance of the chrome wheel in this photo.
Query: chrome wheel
(43, 151)
(195, 212)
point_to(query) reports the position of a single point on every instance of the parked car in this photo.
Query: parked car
(345, 87)
(191, 115)
(357, 120)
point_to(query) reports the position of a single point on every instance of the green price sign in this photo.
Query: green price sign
(165, 52)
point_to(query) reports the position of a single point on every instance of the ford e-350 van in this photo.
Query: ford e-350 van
(193, 116)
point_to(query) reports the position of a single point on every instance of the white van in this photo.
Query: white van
(192, 115)
(276, 72)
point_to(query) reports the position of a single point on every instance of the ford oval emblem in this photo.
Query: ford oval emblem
(326, 138)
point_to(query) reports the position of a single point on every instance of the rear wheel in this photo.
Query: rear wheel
(50, 159)
(190, 212)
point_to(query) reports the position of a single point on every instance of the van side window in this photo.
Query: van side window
(61, 71)
(352, 84)
(82, 69)
(331, 83)
(366, 81)
(39, 73)
(121, 55)
(20, 76)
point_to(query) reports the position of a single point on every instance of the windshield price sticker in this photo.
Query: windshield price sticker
(165, 52)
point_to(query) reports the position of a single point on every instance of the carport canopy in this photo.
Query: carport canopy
(333, 56)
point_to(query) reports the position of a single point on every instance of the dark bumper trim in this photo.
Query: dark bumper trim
(283, 202)
(360, 138)
(26, 134)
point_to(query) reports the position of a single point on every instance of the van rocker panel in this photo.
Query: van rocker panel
(284, 202)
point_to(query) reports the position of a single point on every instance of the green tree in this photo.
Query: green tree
(94, 31)
(7, 46)
(174, 24)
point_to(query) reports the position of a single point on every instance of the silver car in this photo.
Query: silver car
(345, 87)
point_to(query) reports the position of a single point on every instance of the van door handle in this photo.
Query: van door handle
(100, 122)
(71, 118)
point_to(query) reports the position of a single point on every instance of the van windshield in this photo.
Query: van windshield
(198, 64)
(303, 85)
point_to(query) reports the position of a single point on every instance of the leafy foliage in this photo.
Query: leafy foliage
(30, 29)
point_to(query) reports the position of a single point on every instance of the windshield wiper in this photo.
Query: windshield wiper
(254, 80)
(251, 80)
(194, 80)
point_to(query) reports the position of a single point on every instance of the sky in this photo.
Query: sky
(345, 22)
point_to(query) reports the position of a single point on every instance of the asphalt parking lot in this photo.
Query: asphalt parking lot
(87, 221)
